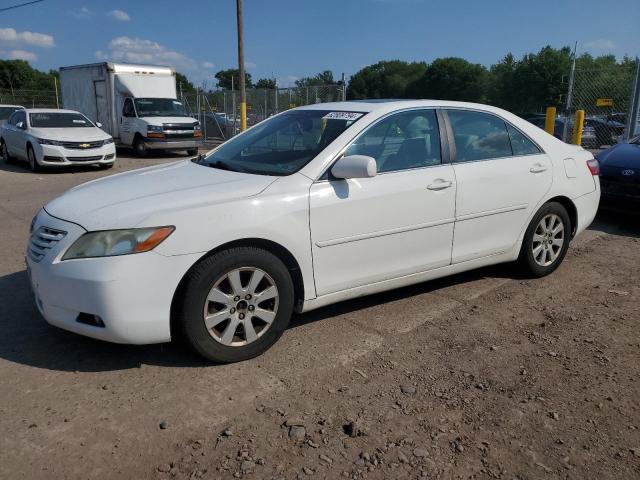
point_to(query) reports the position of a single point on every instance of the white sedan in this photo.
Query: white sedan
(50, 137)
(313, 206)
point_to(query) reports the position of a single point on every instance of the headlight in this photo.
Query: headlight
(108, 141)
(154, 128)
(44, 141)
(109, 243)
(196, 127)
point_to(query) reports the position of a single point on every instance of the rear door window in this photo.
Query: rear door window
(479, 136)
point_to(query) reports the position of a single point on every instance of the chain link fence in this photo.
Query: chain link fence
(31, 98)
(605, 95)
(219, 111)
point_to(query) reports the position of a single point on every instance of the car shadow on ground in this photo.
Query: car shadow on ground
(25, 338)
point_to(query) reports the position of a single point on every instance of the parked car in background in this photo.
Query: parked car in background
(51, 137)
(6, 111)
(607, 131)
(312, 206)
(589, 138)
(620, 174)
(137, 105)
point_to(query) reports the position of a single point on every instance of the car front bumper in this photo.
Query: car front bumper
(55, 155)
(130, 294)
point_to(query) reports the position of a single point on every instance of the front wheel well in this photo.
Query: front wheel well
(275, 248)
(568, 204)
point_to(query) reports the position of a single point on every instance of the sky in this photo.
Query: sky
(289, 39)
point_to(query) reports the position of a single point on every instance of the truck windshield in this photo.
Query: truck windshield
(281, 145)
(58, 120)
(159, 107)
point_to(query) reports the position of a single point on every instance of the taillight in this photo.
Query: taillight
(594, 167)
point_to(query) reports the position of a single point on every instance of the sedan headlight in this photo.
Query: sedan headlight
(108, 243)
(44, 141)
(108, 141)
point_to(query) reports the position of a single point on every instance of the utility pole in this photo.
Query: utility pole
(243, 91)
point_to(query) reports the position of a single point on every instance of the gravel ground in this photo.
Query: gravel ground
(481, 375)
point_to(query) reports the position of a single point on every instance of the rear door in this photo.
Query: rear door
(501, 176)
(397, 223)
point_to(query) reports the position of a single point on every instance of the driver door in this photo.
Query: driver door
(127, 118)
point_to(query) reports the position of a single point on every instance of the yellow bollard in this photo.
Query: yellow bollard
(550, 120)
(243, 116)
(578, 125)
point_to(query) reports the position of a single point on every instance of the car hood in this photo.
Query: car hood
(161, 120)
(79, 134)
(623, 155)
(125, 200)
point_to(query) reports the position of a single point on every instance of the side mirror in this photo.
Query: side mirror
(355, 166)
(98, 124)
(20, 125)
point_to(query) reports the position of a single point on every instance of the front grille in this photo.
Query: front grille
(82, 145)
(85, 159)
(179, 126)
(43, 240)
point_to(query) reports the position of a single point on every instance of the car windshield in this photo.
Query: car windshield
(58, 120)
(5, 112)
(283, 144)
(159, 107)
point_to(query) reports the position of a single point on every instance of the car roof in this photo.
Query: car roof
(392, 104)
(49, 110)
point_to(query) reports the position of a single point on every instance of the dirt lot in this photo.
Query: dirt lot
(482, 375)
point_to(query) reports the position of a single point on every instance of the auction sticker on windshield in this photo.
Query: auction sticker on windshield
(342, 116)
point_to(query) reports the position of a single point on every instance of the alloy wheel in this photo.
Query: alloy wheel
(548, 240)
(241, 306)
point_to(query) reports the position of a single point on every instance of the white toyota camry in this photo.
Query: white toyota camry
(313, 206)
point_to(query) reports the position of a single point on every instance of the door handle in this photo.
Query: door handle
(538, 168)
(439, 184)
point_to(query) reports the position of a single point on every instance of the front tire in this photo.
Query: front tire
(192, 152)
(546, 240)
(235, 304)
(140, 148)
(6, 157)
(33, 162)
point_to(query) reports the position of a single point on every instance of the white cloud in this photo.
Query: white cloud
(208, 65)
(119, 15)
(11, 36)
(84, 12)
(600, 45)
(138, 50)
(250, 65)
(18, 55)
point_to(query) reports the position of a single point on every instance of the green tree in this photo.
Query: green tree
(385, 79)
(183, 82)
(451, 79)
(224, 79)
(322, 78)
(266, 83)
(19, 75)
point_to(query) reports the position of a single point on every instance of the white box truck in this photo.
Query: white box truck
(136, 104)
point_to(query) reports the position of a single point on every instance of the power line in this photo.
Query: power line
(20, 5)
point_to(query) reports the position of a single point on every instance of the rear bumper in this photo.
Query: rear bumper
(162, 144)
(587, 207)
(131, 294)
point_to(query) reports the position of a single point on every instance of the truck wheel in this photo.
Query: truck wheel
(192, 152)
(140, 148)
(235, 304)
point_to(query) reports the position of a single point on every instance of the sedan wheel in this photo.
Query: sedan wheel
(33, 163)
(6, 158)
(546, 240)
(234, 304)
(241, 306)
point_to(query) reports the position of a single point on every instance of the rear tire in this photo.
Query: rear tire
(235, 304)
(33, 162)
(546, 240)
(6, 157)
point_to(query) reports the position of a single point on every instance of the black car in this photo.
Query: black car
(620, 174)
(607, 131)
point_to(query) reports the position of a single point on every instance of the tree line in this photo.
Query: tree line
(526, 84)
